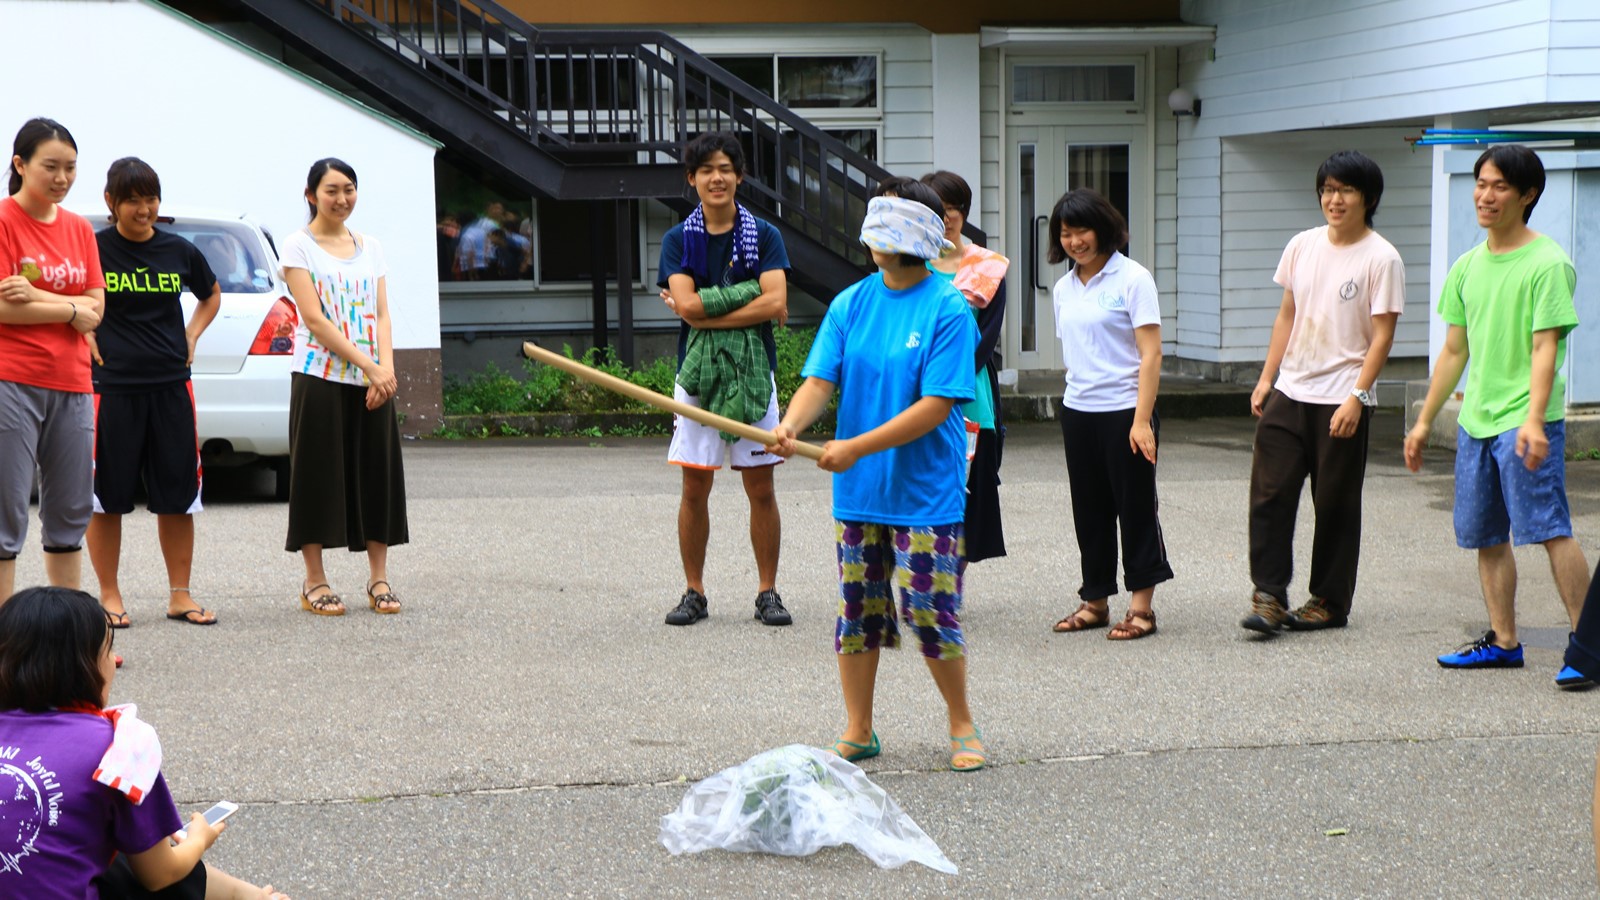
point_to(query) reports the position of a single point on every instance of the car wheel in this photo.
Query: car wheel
(280, 486)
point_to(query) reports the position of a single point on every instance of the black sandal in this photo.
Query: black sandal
(384, 604)
(328, 604)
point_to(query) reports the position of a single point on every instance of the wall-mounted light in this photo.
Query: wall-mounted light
(1183, 102)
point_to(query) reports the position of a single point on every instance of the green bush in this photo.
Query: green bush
(794, 345)
(543, 388)
(490, 391)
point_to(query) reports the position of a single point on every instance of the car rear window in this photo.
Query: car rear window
(234, 252)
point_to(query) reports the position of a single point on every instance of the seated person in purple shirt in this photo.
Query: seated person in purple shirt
(84, 810)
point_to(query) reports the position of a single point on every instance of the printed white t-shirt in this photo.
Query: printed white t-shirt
(1337, 290)
(348, 291)
(1095, 323)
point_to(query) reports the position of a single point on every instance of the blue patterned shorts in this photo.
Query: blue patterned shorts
(926, 564)
(1497, 497)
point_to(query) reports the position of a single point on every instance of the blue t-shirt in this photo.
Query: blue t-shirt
(885, 350)
(719, 253)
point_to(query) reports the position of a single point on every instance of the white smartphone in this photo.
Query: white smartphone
(215, 814)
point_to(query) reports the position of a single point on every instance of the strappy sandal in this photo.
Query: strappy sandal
(328, 604)
(1074, 621)
(117, 620)
(968, 753)
(858, 752)
(1129, 630)
(385, 603)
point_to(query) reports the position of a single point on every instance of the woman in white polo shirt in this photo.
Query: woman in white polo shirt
(1109, 320)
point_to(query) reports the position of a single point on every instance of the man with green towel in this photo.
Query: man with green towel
(725, 275)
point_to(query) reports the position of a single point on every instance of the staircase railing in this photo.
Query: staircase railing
(626, 96)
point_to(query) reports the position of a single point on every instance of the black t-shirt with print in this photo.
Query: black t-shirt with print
(141, 336)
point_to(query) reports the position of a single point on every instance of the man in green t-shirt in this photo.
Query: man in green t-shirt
(1508, 302)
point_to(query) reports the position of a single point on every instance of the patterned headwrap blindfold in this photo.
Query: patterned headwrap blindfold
(897, 225)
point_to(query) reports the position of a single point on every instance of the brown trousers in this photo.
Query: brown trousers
(1292, 443)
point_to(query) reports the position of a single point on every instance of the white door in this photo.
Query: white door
(1045, 162)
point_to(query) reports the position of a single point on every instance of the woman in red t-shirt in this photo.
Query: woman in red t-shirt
(51, 298)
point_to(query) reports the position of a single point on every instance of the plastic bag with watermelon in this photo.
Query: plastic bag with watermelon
(794, 801)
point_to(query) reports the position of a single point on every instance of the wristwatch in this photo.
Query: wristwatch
(1366, 397)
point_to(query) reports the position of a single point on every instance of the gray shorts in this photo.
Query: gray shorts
(52, 431)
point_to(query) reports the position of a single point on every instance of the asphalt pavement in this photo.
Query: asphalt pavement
(519, 730)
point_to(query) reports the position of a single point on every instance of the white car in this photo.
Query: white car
(242, 362)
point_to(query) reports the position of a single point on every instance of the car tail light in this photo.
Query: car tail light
(276, 337)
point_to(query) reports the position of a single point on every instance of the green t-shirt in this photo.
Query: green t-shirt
(981, 409)
(1502, 299)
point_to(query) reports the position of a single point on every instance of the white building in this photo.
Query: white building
(227, 128)
(1023, 111)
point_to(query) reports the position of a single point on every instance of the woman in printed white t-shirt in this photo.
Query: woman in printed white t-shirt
(346, 485)
(1108, 318)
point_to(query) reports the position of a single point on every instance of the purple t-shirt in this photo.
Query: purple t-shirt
(59, 828)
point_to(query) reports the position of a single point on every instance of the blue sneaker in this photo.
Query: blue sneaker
(1571, 679)
(1483, 654)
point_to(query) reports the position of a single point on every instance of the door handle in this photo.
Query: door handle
(1036, 253)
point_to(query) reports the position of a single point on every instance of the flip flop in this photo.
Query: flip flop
(117, 620)
(197, 611)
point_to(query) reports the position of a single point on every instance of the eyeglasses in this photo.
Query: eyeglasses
(1343, 190)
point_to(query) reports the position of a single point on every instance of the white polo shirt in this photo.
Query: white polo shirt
(1095, 323)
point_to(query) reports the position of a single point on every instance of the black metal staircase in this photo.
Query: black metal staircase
(588, 115)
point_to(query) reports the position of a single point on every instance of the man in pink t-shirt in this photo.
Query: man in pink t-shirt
(1343, 289)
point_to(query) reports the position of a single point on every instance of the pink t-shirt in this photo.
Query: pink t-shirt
(1337, 290)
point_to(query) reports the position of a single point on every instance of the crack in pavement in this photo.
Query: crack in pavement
(684, 780)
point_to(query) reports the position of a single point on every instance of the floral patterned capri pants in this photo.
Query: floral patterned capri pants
(925, 563)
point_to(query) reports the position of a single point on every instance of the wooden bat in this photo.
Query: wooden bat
(645, 395)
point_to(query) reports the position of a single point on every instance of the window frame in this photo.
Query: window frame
(1134, 106)
(824, 116)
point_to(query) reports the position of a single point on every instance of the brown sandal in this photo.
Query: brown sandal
(385, 603)
(1128, 630)
(328, 604)
(1072, 621)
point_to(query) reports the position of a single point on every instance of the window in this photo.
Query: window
(757, 70)
(811, 82)
(570, 230)
(231, 250)
(828, 82)
(483, 232)
(487, 234)
(1075, 83)
(838, 94)
(1104, 168)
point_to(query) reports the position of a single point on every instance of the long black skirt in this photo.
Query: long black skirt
(986, 538)
(346, 483)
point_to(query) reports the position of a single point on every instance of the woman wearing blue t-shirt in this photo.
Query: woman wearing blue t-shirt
(1108, 317)
(898, 346)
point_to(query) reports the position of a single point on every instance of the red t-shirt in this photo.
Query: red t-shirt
(60, 257)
